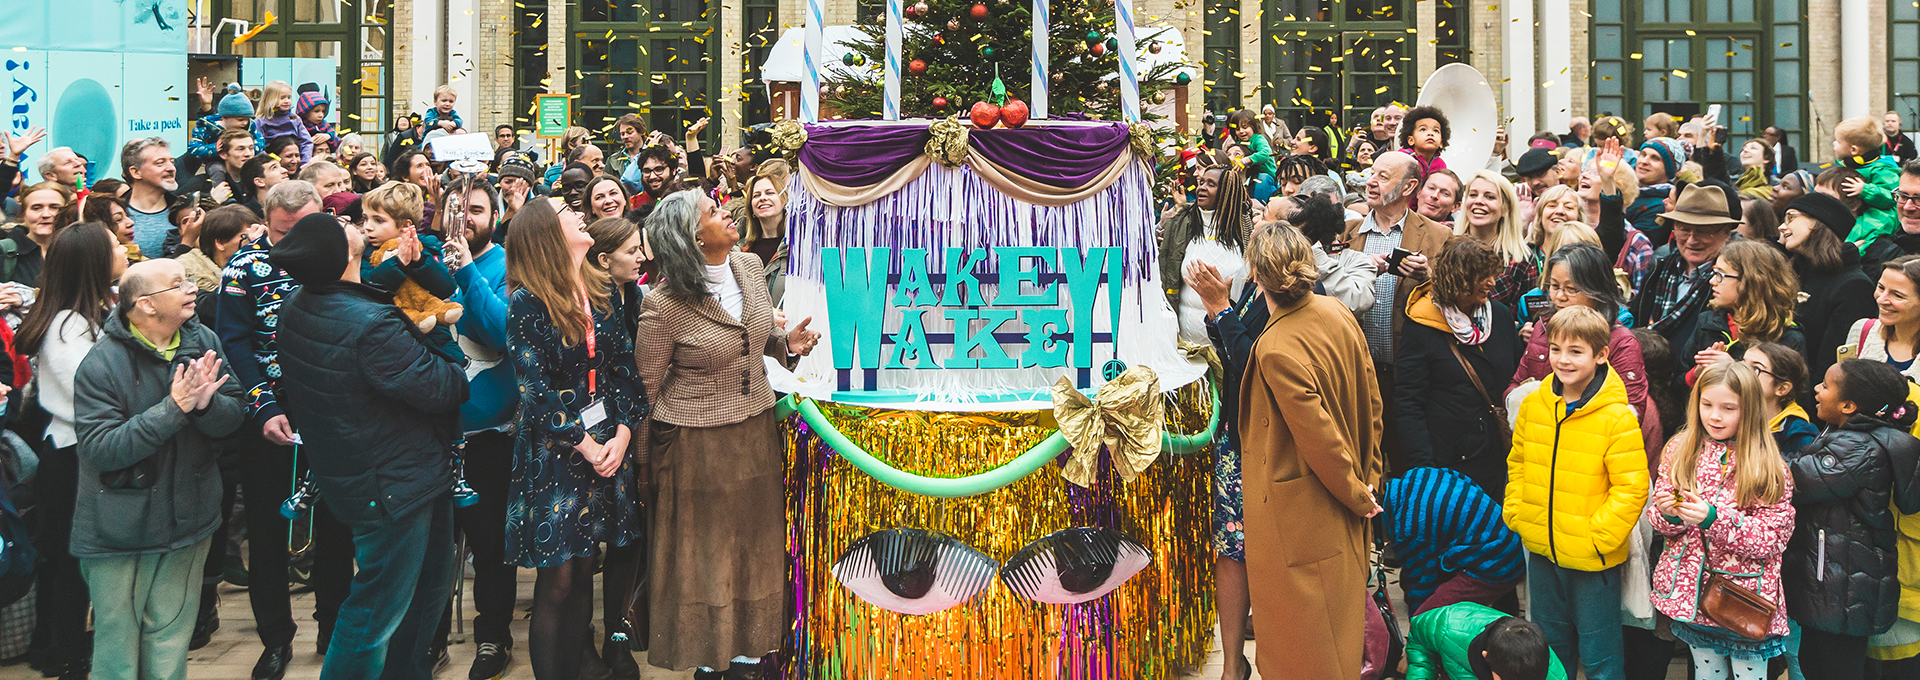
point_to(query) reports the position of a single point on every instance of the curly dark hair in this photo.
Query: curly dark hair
(1878, 390)
(1319, 219)
(1419, 113)
(1461, 265)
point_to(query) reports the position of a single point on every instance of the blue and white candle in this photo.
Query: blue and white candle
(895, 20)
(1037, 108)
(811, 48)
(1129, 81)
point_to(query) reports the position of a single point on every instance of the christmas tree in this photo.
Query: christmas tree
(952, 50)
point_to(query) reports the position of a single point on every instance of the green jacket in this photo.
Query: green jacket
(1260, 157)
(1441, 637)
(1883, 176)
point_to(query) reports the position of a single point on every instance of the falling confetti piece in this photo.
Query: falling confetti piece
(1382, 89)
(1677, 73)
(1635, 55)
(1547, 84)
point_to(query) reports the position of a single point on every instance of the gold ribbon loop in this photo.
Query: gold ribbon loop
(1125, 416)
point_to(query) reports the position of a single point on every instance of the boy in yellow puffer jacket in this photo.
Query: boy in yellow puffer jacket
(1577, 481)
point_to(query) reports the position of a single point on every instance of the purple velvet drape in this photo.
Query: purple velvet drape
(1059, 156)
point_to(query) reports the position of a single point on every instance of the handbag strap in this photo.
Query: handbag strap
(1861, 345)
(1473, 376)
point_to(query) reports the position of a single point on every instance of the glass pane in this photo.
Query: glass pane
(1679, 11)
(1906, 10)
(1717, 86)
(373, 117)
(1654, 11)
(1373, 10)
(678, 94)
(1907, 105)
(1743, 86)
(1786, 42)
(1906, 40)
(1653, 85)
(1906, 77)
(1304, 10)
(1786, 112)
(1717, 49)
(1742, 10)
(1606, 11)
(624, 11)
(1741, 122)
(253, 11)
(1607, 42)
(373, 80)
(685, 11)
(373, 42)
(1610, 79)
(326, 49)
(316, 11)
(1787, 11)
(1608, 106)
(258, 48)
(1742, 54)
(1786, 76)
(1653, 55)
(1717, 12)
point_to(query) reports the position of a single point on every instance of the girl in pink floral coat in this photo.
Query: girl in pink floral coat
(1723, 499)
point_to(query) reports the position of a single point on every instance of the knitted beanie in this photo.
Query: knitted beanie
(308, 100)
(235, 104)
(1672, 154)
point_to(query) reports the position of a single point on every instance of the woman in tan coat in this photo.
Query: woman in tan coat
(1310, 434)
(718, 580)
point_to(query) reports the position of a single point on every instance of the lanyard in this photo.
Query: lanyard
(592, 372)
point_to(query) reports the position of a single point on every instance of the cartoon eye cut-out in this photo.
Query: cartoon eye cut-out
(1074, 566)
(913, 571)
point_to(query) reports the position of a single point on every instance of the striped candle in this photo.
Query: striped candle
(1129, 81)
(1037, 108)
(895, 9)
(811, 48)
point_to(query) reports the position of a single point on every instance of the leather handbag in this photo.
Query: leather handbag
(1733, 606)
(1499, 409)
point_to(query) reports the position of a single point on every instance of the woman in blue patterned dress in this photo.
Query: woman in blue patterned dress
(581, 401)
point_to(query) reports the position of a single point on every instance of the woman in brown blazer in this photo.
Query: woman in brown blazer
(718, 583)
(1309, 435)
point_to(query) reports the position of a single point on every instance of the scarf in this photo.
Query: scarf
(1469, 329)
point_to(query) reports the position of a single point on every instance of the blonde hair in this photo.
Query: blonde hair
(270, 96)
(1507, 240)
(1281, 259)
(445, 91)
(1759, 472)
(1583, 323)
(1569, 232)
(1537, 231)
(398, 200)
(1769, 290)
(1863, 132)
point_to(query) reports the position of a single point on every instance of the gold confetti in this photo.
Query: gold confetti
(1677, 73)
(1547, 84)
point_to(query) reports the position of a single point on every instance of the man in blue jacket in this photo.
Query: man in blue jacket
(378, 411)
(480, 267)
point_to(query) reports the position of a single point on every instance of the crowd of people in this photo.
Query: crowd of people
(1667, 387)
(345, 357)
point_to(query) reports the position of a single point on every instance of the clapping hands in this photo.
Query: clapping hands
(195, 382)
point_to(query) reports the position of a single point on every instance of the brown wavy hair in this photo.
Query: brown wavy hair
(1462, 263)
(1281, 259)
(538, 261)
(1769, 290)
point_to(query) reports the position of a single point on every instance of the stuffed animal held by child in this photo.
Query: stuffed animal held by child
(420, 306)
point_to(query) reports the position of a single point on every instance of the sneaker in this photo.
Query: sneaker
(438, 653)
(490, 661)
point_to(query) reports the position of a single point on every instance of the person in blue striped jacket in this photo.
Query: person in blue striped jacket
(1449, 536)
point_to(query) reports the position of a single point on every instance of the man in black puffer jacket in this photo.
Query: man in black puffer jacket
(376, 410)
(1841, 570)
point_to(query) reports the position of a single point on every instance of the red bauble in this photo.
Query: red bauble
(940, 38)
(1014, 114)
(985, 115)
(940, 103)
(1098, 49)
(917, 67)
(979, 12)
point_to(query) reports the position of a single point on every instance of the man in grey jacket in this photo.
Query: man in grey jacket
(148, 401)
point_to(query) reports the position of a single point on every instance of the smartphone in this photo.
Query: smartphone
(1713, 114)
(1393, 259)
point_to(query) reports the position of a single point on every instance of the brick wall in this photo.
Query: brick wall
(1823, 77)
(1580, 65)
(493, 66)
(403, 49)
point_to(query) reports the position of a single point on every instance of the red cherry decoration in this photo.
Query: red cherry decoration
(1098, 49)
(940, 102)
(979, 12)
(1014, 114)
(917, 67)
(985, 115)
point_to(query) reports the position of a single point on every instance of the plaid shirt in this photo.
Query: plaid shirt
(1522, 275)
(1672, 293)
(1636, 258)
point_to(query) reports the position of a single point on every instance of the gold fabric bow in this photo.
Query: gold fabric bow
(788, 137)
(947, 142)
(1140, 136)
(1125, 416)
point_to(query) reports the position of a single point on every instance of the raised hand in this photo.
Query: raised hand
(800, 340)
(410, 247)
(19, 145)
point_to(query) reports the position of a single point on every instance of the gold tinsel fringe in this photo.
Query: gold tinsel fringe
(1156, 625)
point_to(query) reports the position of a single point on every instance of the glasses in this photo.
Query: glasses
(1758, 369)
(1904, 197)
(183, 285)
(1718, 276)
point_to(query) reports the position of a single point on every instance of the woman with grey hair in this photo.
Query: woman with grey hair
(719, 579)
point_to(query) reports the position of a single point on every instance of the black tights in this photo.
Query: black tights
(562, 612)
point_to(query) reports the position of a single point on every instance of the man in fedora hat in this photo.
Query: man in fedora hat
(1676, 290)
